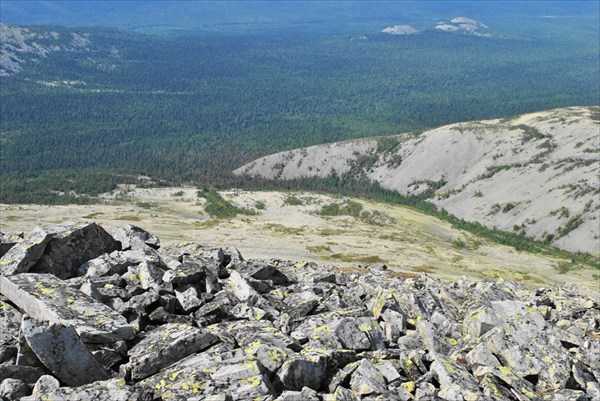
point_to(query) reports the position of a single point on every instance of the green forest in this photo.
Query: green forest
(191, 108)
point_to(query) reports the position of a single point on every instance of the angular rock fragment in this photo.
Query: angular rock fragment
(89, 289)
(241, 289)
(431, 339)
(455, 381)
(492, 386)
(22, 256)
(481, 356)
(71, 246)
(350, 335)
(27, 374)
(45, 384)
(271, 357)
(141, 303)
(394, 325)
(188, 297)
(8, 240)
(10, 321)
(307, 394)
(188, 273)
(191, 378)
(150, 276)
(110, 390)
(129, 234)
(245, 311)
(299, 372)
(13, 389)
(62, 352)
(166, 345)
(367, 380)
(236, 369)
(343, 394)
(265, 271)
(46, 297)
(117, 262)
(388, 371)
(25, 355)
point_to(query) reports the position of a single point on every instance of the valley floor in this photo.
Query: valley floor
(404, 239)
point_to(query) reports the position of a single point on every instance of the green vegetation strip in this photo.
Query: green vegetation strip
(218, 207)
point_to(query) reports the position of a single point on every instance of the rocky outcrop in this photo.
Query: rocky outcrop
(464, 25)
(400, 30)
(152, 322)
(535, 174)
(17, 45)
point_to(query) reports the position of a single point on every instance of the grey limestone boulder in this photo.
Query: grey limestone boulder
(130, 234)
(108, 390)
(59, 348)
(194, 322)
(72, 245)
(456, 383)
(165, 345)
(46, 297)
(23, 255)
(10, 321)
(367, 379)
(8, 240)
(13, 389)
(302, 371)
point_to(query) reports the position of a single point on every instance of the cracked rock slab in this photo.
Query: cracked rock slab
(60, 349)
(45, 297)
(299, 372)
(71, 246)
(165, 345)
(23, 255)
(8, 240)
(456, 382)
(109, 390)
(367, 379)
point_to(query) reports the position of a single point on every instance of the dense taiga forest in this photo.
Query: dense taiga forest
(192, 106)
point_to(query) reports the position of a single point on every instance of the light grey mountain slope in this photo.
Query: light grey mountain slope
(537, 173)
(18, 44)
(464, 25)
(400, 30)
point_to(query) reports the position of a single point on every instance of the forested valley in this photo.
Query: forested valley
(191, 108)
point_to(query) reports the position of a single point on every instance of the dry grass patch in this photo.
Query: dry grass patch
(424, 269)
(318, 249)
(326, 232)
(278, 228)
(206, 224)
(350, 269)
(129, 217)
(404, 275)
(354, 258)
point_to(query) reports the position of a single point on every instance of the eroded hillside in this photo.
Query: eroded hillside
(536, 174)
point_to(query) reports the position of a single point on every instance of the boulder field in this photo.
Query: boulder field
(91, 315)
